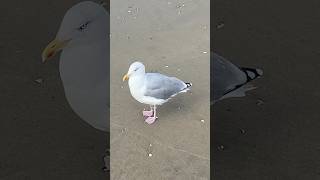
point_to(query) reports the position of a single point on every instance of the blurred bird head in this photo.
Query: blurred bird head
(82, 24)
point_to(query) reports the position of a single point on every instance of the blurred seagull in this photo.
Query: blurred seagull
(152, 88)
(83, 38)
(230, 80)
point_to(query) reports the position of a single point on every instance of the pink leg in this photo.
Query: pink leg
(148, 113)
(153, 118)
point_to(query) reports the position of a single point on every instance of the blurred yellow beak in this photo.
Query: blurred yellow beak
(52, 49)
(125, 77)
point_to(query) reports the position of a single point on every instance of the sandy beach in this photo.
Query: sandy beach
(42, 138)
(170, 38)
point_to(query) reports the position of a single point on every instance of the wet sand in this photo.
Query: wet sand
(169, 38)
(41, 137)
(281, 137)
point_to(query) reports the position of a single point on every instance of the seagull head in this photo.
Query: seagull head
(136, 68)
(82, 24)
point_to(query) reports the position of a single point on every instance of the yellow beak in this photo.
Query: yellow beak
(125, 77)
(52, 48)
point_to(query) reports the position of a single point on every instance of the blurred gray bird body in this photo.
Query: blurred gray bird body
(84, 63)
(230, 80)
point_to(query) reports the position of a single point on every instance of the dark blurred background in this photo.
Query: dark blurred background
(41, 138)
(274, 132)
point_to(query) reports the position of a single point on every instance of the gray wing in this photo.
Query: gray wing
(162, 87)
(226, 76)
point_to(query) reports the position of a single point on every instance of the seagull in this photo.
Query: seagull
(83, 38)
(229, 80)
(152, 88)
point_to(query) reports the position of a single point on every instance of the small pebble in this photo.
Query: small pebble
(121, 87)
(150, 145)
(221, 148)
(180, 6)
(40, 80)
(150, 155)
(220, 25)
(242, 131)
(260, 102)
(166, 66)
(204, 52)
(204, 27)
(202, 120)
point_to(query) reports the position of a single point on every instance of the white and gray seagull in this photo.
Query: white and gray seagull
(83, 38)
(229, 80)
(152, 88)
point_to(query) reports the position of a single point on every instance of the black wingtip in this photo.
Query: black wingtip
(188, 84)
(252, 73)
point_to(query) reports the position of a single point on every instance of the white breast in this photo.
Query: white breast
(136, 86)
(84, 72)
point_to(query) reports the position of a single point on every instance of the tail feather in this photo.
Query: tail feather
(188, 84)
(252, 73)
(186, 88)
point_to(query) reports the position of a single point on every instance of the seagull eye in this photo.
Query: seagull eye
(83, 26)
